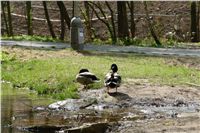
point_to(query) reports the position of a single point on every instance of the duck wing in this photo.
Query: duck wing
(89, 76)
(112, 80)
(117, 78)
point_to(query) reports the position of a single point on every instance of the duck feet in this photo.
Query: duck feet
(107, 90)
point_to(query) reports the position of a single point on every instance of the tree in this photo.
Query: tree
(73, 6)
(194, 22)
(64, 13)
(122, 20)
(29, 17)
(48, 20)
(112, 22)
(62, 20)
(104, 20)
(150, 26)
(198, 24)
(3, 5)
(86, 15)
(131, 8)
(9, 19)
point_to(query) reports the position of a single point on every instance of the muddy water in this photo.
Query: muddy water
(22, 112)
(17, 109)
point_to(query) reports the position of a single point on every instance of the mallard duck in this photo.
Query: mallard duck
(85, 78)
(112, 79)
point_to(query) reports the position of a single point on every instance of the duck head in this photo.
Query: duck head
(114, 68)
(83, 70)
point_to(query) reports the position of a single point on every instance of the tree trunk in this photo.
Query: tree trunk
(3, 5)
(88, 22)
(198, 17)
(48, 20)
(150, 26)
(62, 16)
(9, 19)
(132, 19)
(122, 20)
(114, 39)
(193, 22)
(64, 13)
(62, 33)
(73, 6)
(29, 17)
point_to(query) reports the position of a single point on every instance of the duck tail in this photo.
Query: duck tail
(97, 80)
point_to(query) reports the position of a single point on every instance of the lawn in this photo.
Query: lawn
(52, 72)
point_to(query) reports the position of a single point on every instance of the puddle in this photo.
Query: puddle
(17, 109)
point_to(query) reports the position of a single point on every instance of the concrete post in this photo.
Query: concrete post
(76, 32)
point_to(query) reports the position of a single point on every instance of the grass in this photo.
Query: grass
(54, 76)
(145, 42)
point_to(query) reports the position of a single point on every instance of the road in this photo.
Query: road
(109, 48)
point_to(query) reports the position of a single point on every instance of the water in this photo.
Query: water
(17, 109)
(22, 108)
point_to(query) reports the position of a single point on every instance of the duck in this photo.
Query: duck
(85, 78)
(112, 78)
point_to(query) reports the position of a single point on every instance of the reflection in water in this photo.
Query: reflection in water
(17, 110)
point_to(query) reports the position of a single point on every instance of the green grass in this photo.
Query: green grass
(54, 76)
(145, 42)
(31, 38)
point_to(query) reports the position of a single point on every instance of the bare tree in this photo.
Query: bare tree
(122, 20)
(64, 13)
(29, 17)
(131, 8)
(198, 24)
(150, 26)
(88, 25)
(73, 10)
(3, 5)
(112, 22)
(9, 19)
(193, 22)
(48, 20)
(104, 19)
(62, 20)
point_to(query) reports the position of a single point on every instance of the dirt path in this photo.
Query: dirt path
(170, 109)
(109, 48)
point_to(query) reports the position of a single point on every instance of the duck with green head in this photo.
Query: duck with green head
(112, 79)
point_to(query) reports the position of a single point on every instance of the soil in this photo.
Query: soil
(155, 95)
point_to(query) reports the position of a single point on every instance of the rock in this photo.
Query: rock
(89, 128)
(73, 104)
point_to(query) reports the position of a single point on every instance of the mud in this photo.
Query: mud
(138, 106)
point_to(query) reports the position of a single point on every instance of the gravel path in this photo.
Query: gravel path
(108, 48)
